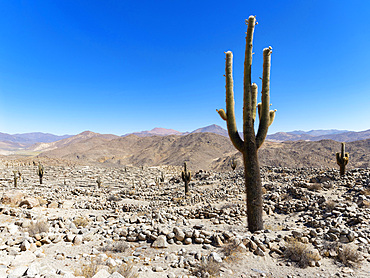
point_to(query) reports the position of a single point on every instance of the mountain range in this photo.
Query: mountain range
(204, 148)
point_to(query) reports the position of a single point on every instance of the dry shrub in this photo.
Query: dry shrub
(113, 198)
(117, 247)
(366, 191)
(232, 251)
(301, 253)
(90, 269)
(315, 187)
(348, 255)
(94, 265)
(330, 205)
(207, 269)
(286, 197)
(38, 227)
(126, 270)
(81, 221)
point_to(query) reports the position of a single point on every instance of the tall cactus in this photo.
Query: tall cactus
(40, 172)
(342, 159)
(186, 177)
(252, 142)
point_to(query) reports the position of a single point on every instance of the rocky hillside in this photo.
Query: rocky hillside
(317, 135)
(199, 149)
(41, 147)
(317, 154)
(205, 151)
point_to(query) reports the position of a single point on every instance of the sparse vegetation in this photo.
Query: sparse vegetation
(315, 187)
(303, 254)
(207, 268)
(330, 205)
(117, 247)
(38, 227)
(349, 255)
(81, 221)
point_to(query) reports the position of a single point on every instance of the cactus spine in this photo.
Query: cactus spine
(342, 159)
(252, 142)
(40, 172)
(186, 177)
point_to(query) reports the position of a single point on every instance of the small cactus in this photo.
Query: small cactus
(17, 175)
(342, 159)
(98, 181)
(40, 172)
(186, 177)
(233, 164)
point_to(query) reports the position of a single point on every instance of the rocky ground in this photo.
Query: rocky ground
(135, 225)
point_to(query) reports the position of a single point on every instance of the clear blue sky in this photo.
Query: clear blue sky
(124, 66)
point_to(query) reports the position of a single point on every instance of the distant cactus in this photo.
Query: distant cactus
(252, 141)
(40, 172)
(233, 164)
(342, 160)
(17, 175)
(186, 177)
(98, 181)
(161, 179)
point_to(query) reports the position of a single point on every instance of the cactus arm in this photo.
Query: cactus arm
(265, 108)
(248, 126)
(230, 113)
(259, 105)
(343, 150)
(272, 116)
(254, 100)
(222, 114)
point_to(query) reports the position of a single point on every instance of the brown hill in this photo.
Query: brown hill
(206, 151)
(42, 147)
(200, 149)
(291, 154)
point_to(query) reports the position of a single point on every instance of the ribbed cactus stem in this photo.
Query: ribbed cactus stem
(186, 177)
(40, 172)
(252, 142)
(342, 159)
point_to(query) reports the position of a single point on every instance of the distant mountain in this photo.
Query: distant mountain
(158, 131)
(164, 131)
(206, 151)
(318, 132)
(31, 138)
(199, 149)
(70, 140)
(317, 135)
(212, 129)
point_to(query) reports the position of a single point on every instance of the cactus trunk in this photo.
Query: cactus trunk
(186, 187)
(253, 187)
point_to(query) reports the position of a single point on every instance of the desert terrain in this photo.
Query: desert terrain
(139, 222)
